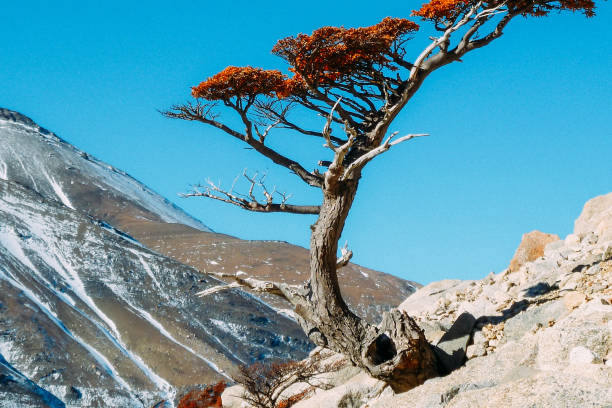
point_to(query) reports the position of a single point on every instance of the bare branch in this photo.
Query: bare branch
(201, 113)
(444, 39)
(241, 279)
(327, 130)
(262, 136)
(386, 145)
(249, 202)
(345, 257)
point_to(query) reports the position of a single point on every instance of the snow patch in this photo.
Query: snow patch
(11, 242)
(147, 316)
(59, 192)
(147, 268)
(233, 329)
(43, 307)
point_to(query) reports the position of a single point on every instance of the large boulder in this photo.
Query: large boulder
(596, 217)
(531, 248)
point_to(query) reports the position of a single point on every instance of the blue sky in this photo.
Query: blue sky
(520, 131)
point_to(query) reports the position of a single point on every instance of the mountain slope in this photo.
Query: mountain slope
(84, 308)
(38, 159)
(368, 292)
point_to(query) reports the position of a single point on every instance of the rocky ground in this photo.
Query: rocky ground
(538, 334)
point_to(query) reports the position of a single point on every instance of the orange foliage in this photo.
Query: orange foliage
(327, 55)
(448, 10)
(240, 82)
(441, 9)
(294, 399)
(334, 54)
(331, 53)
(206, 398)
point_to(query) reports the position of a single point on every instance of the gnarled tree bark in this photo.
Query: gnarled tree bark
(396, 351)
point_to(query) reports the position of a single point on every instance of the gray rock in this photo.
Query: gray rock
(451, 349)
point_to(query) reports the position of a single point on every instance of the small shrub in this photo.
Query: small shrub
(206, 398)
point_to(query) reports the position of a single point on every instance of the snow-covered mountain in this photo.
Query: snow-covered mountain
(88, 315)
(96, 291)
(89, 312)
(40, 160)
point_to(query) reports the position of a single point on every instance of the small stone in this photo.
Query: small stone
(507, 285)
(574, 299)
(570, 281)
(590, 238)
(593, 270)
(489, 279)
(581, 355)
(607, 254)
(475, 350)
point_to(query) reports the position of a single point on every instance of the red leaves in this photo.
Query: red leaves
(331, 53)
(240, 82)
(295, 398)
(210, 397)
(441, 9)
(449, 10)
(326, 56)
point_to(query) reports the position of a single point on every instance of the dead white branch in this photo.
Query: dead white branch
(327, 129)
(249, 200)
(262, 135)
(386, 145)
(345, 256)
(243, 280)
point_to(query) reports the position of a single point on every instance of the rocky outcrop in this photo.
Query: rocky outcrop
(596, 217)
(531, 248)
(539, 335)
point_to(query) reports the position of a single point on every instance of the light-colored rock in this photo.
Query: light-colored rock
(608, 359)
(572, 240)
(354, 393)
(574, 299)
(232, 397)
(543, 335)
(581, 355)
(531, 248)
(570, 281)
(451, 348)
(596, 217)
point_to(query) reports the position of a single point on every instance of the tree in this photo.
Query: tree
(359, 80)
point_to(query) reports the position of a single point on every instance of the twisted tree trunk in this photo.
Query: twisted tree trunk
(395, 351)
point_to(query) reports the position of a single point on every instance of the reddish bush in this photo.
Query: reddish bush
(294, 399)
(208, 397)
